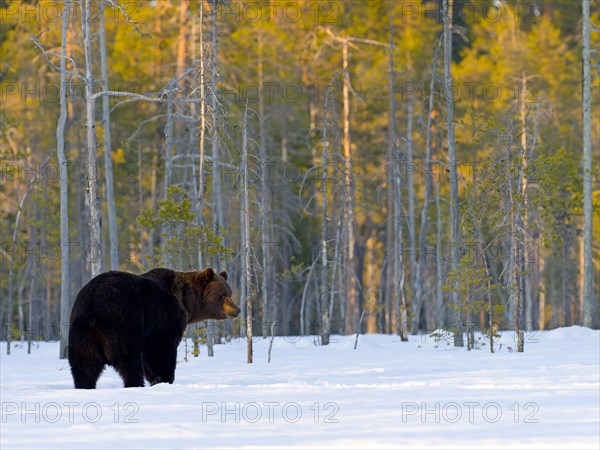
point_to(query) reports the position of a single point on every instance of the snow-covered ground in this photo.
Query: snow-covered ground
(384, 394)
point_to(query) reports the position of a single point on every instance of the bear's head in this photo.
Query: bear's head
(214, 300)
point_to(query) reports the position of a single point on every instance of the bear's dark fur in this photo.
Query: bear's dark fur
(135, 322)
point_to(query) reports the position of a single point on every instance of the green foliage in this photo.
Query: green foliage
(181, 237)
(559, 197)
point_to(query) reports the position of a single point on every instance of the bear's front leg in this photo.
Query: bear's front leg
(131, 371)
(150, 375)
(159, 363)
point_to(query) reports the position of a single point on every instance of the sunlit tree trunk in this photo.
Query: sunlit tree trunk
(246, 225)
(524, 216)
(350, 260)
(588, 269)
(95, 243)
(265, 204)
(400, 307)
(454, 218)
(217, 208)
(65, 275)
(200, 200)
(113, 236)
(421, 267)
(516, 283)
(325, 327)
(412, 231)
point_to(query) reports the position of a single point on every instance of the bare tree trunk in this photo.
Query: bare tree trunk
(65, 275)
(95, 252)
(371, 284)
(581, 264)
(180, 147)
(337, 264)
(412, 231)
(488, 292)
(217, 204)
(400, 307)
(200, 200)
(169, 127)
(24, 278)
(242, 268)
(524, 217)
(217, 209)
(265, 204)
(181, 40)
(113, 236)
(563, 278)
(352, 297)
(199, 187)
(30, 330)
(456, 301)
(439, 295)
(542, 312)
(153, 193)
(588, 269)
(421, 267)
(303, 301)
(326, 317)
(247, 236)
(515, 254)
(400, 313)
(469, 316)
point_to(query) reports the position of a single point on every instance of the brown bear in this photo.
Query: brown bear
(135, 322)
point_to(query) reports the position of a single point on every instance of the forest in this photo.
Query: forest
(397, 167)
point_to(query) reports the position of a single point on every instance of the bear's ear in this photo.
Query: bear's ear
(224, 275)
(204, 277)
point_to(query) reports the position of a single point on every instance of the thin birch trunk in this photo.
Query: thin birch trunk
(113, 236)
(421, 267)
(542, 293)
(351, 286)
(265, 205)
(588, 269)
(95, 243)
(216, 158)
(247, 237)
(454, 218)
(217, 209)
(243, 270)
(371, 283)
(337, 264)
(303, 300)
(412, 232)
(200, 199)
(515, 254)
(524, 219)
(169, 129)
(65, 275)
(400, 311)
(439, 295)
(326, 317)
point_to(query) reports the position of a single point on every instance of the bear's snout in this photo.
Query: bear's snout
(230, 309)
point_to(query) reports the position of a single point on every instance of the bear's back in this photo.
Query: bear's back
(120, 299)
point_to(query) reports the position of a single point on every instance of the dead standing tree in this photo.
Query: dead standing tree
(588, 268)
(454, 213)
(246, 243)
(113, 236)
(65, 278)
(95, 244)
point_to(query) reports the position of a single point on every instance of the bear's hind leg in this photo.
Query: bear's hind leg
(86, 372)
